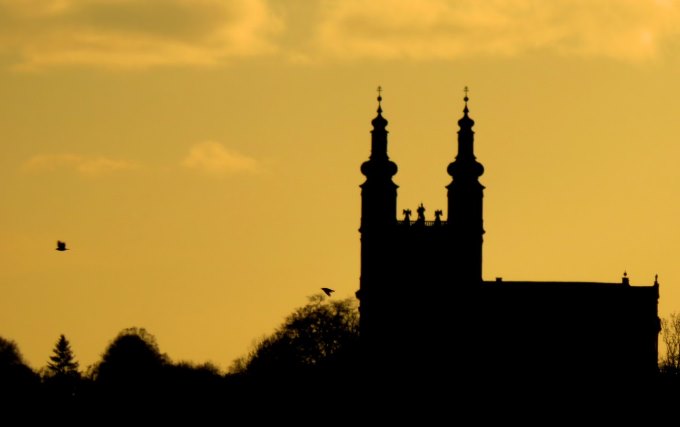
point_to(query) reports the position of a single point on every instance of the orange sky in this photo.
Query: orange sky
(201, 158)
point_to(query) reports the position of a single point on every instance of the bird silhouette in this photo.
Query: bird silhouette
(61, 246)
(328, 291)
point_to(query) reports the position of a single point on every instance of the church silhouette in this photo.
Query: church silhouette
(427, 313)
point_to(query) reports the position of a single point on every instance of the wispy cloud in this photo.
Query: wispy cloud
(81, 164)
(214, 158)
(442, 29)
(134, 33)
(146, 33)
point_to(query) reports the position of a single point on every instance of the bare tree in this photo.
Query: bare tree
(670, 334)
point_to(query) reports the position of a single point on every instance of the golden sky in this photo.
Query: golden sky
(201, 157)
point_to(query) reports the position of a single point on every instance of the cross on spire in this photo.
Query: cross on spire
(465, 110)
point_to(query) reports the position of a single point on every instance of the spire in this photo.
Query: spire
(379, 142)
(466, 122)
(379, 192)
(465, 163)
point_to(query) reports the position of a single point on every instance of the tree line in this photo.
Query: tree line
(314, 347)
(311, 359)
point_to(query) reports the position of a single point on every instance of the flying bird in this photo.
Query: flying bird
(328, 291)
(61, 246)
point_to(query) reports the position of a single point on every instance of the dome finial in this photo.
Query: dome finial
(466, 121)
(379, 122)
(466, 99)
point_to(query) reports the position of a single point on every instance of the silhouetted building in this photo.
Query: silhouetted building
(426, 312)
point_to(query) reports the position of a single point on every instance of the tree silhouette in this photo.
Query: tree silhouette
(18, 382)
(193, 384)
(62, 369)
(64, 387)
(62, 362)
(131, 366)
(320, 337)
(670, 333)
(668, 387)
(310, 358)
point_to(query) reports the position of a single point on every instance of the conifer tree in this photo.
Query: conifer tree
(62, 362)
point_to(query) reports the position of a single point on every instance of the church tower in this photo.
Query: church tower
(378, 219)
(465, 215)
(404, 263)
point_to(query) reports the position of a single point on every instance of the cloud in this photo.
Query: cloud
(213, 158)
(629, 30)
(124, 34)
(134, 33)
(81, 164)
